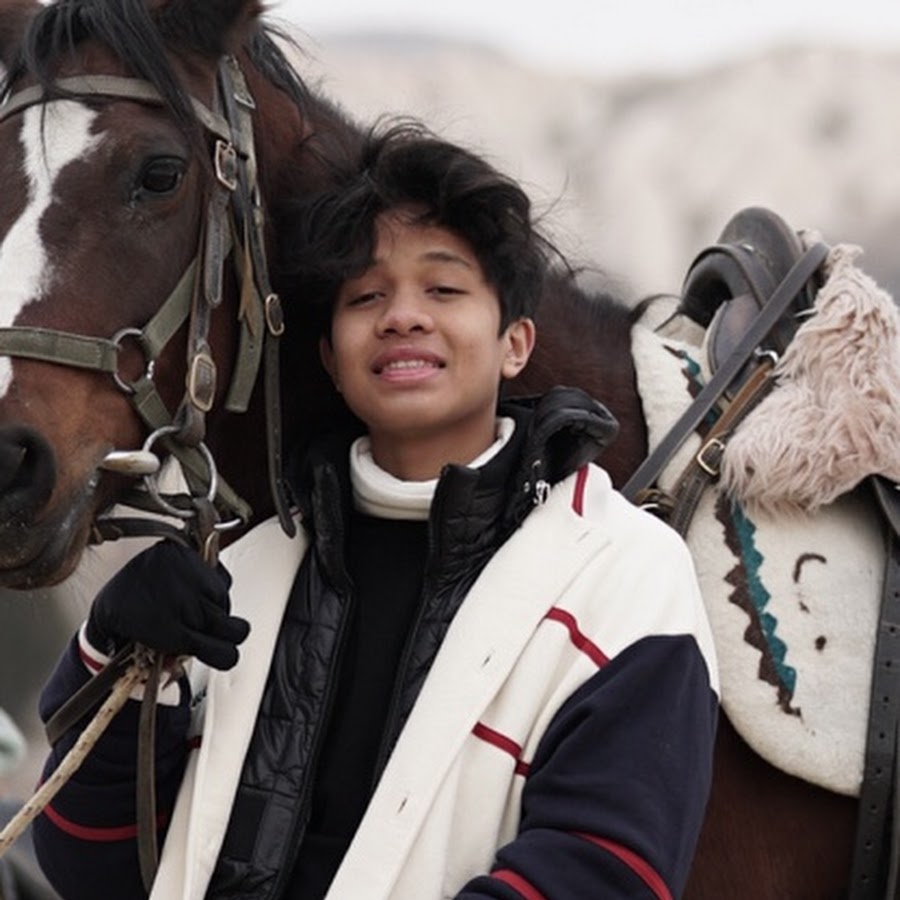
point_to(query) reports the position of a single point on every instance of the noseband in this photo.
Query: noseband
(233, 227)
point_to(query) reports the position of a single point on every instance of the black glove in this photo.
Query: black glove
(169, 600)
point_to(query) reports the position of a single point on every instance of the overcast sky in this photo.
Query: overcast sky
(611, 35)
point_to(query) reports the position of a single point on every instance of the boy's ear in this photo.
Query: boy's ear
(326, 354)
(519, 337)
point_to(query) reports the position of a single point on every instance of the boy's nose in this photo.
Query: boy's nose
(404, 313)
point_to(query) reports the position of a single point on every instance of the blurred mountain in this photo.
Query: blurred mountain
(638, 173)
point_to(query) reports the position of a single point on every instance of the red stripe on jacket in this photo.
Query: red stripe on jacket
(96, 834)
(504, 743)
(578, 494)
(585, 645)
(579, 638)
(636, 863)
(518, 883)
(95, 665)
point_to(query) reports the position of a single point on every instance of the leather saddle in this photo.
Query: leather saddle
(730, 281)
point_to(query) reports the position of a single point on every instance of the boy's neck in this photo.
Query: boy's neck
(423, 458)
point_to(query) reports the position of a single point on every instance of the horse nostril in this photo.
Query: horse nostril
(27, 470)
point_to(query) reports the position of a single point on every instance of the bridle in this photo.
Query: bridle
(233, 228)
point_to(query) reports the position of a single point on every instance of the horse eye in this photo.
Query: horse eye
(161, 176)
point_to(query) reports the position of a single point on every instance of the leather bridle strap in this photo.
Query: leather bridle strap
(262, 320)
(114, 87)
(648, 472)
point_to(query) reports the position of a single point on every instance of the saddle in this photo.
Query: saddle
(730, 282)
(748, 292)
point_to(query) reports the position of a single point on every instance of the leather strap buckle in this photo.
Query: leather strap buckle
(709, 457)
(226, 165)
(274, 315)
(201, 381)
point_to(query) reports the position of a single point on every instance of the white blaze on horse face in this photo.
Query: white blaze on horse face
(52, 136)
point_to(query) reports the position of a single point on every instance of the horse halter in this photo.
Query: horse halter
(233, 226)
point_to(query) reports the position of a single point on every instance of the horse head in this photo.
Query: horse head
(134, 298)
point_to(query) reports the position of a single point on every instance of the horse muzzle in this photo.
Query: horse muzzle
(35, 542)
(27, 473)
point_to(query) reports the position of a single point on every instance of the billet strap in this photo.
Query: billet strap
(874, 873)
(888, 496)
(876, 854)
(648, 472)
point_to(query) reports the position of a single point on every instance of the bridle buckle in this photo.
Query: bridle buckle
(226, 163)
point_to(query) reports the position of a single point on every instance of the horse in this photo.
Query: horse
(121, 143)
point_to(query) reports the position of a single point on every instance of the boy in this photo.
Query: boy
(480, 673)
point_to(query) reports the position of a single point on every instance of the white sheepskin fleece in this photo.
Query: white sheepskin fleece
(834, 415)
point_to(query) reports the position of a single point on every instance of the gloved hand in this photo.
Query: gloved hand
(168, 599)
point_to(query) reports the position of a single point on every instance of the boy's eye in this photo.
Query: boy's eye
(363, 298)
(445, 290)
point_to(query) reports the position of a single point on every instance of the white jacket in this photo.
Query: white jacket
(586, 576)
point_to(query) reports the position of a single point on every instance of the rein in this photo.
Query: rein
(233, 226)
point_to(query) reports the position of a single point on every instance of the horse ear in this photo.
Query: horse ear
(208, 27)
(14, 19)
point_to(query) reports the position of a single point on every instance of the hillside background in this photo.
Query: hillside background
(635, 175)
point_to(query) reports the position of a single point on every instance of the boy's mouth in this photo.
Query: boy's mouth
(406, 362)
(401, 364)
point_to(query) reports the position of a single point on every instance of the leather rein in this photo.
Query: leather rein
(233, 227)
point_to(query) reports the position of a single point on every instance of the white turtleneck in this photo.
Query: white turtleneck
(378, 493)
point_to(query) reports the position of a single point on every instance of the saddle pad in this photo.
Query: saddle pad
(792, 598)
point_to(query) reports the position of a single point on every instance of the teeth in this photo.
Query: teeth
(409, 364)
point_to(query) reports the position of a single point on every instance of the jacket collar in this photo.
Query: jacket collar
(474, 510)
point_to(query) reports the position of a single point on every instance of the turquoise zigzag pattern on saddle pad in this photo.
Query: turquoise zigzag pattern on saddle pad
(759, 597)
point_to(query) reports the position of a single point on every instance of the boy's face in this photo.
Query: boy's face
(417, 352)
